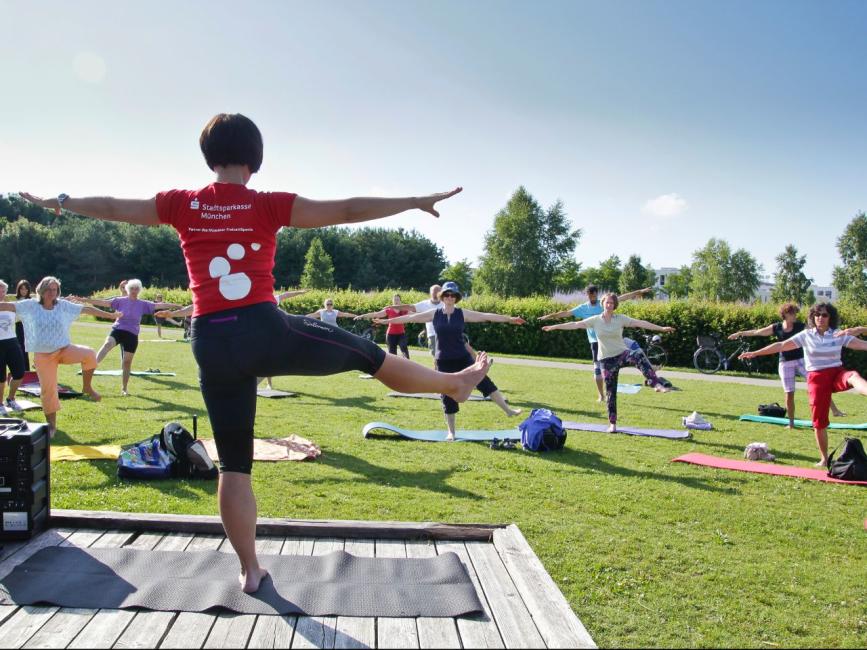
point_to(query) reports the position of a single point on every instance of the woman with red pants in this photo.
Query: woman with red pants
(823, 346)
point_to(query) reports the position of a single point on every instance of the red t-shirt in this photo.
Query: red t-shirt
(228, 235)
(393, 312)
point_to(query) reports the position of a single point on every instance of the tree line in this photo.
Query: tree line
(529, 250)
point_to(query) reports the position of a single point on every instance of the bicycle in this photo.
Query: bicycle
(364, 329)
(422, 339)
(654, 351)
(710, 357)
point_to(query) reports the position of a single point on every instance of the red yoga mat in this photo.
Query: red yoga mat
(761, 468)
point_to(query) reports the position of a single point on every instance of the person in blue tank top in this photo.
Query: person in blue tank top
(453, 354)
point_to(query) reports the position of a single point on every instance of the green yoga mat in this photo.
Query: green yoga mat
(806, 424)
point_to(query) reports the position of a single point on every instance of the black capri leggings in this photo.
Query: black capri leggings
(486, 386)
(19, 332)
(236, 346)
(396, 341)
(11, 357)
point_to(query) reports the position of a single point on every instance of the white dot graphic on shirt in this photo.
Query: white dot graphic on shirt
(218, 267)
(255, 247)
(233, 286)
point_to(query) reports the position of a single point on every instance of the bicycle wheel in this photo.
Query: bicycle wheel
(422, 339)
(657, 356)
(365, 333)
(707, 360)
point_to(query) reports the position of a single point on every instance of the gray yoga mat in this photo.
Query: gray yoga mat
(337, 584)
(671, 434)
(472, 398)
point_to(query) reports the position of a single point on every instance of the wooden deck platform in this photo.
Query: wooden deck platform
(523, 606)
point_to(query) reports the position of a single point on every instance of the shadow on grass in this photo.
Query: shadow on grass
(364, 402)
(593, 461)
(432, 481)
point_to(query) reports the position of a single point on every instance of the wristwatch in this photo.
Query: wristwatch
(60, 199)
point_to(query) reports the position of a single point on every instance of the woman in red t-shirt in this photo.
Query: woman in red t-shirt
(228, 237)
(395, 335)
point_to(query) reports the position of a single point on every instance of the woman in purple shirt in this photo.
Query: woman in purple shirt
(126, 328)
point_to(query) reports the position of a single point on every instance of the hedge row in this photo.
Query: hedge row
(689, 318)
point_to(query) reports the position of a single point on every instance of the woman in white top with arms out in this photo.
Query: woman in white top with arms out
(823, 347)
(613, 353)
(46, 325)
(329, 314)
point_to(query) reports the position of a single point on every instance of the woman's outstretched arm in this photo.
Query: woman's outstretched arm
(471, 316)
(141, 212)
(307, 213)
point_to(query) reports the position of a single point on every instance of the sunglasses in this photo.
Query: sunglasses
(448, 295)
(822, 314)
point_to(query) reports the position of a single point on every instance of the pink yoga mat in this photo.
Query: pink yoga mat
(760, 467)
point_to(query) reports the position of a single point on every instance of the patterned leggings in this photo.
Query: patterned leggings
(611, 370)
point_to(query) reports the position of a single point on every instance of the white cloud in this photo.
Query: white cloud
(89, 67)
(666, 205)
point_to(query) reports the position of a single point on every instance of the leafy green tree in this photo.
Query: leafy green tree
(318, 268)
(606, 276)
(850, 278)
(525, 247)
(718, 274)
(569, 277)
(460, 272)
(635, 275)
(790, 282)
(677, 284)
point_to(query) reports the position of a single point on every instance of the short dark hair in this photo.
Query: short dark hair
(833, 315)
(231, 139)
(789, 308)
(591, 288)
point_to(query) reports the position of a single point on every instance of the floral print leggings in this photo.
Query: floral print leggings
(611, 370)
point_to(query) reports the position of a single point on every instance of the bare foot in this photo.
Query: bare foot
(790, 427)
(125, 393)
(469, 378)
(612, 428)
(822, 463)
(450, 437)
(250, 583)
(52, 431)
(513, 412)
(93, 394)
(601, 398)
(659, 388)
(838, 413)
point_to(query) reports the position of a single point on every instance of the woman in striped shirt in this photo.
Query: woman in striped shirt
(826, 375)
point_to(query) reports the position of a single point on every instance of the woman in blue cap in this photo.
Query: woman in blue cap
(453, 353)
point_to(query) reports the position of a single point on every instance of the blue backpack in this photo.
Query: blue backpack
(147, 459)
(542, 431)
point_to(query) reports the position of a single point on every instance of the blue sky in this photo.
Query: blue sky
(659, 124)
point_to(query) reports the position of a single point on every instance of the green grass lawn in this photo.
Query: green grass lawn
(648, 552)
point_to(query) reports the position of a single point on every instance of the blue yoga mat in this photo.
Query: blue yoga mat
(628, 389)
(440, 436)
(805, 424)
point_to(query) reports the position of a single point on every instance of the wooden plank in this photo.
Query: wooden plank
(174, 542)
(146, 630)
(103, 629)
(188, 630)
(273, 632)
(83, 538)
(480, 630)
(354, 631)
(318, 631)
(67, 623)
(269, 545)
(205, 543)
(15, 632)
(395, 632)
(230, 631)
(6, 611)
(513, 619)
(297, 546)
(208, 524)
(433, 632)
(17, 629)
(51, 537)
(63, 627)
(556, 621)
